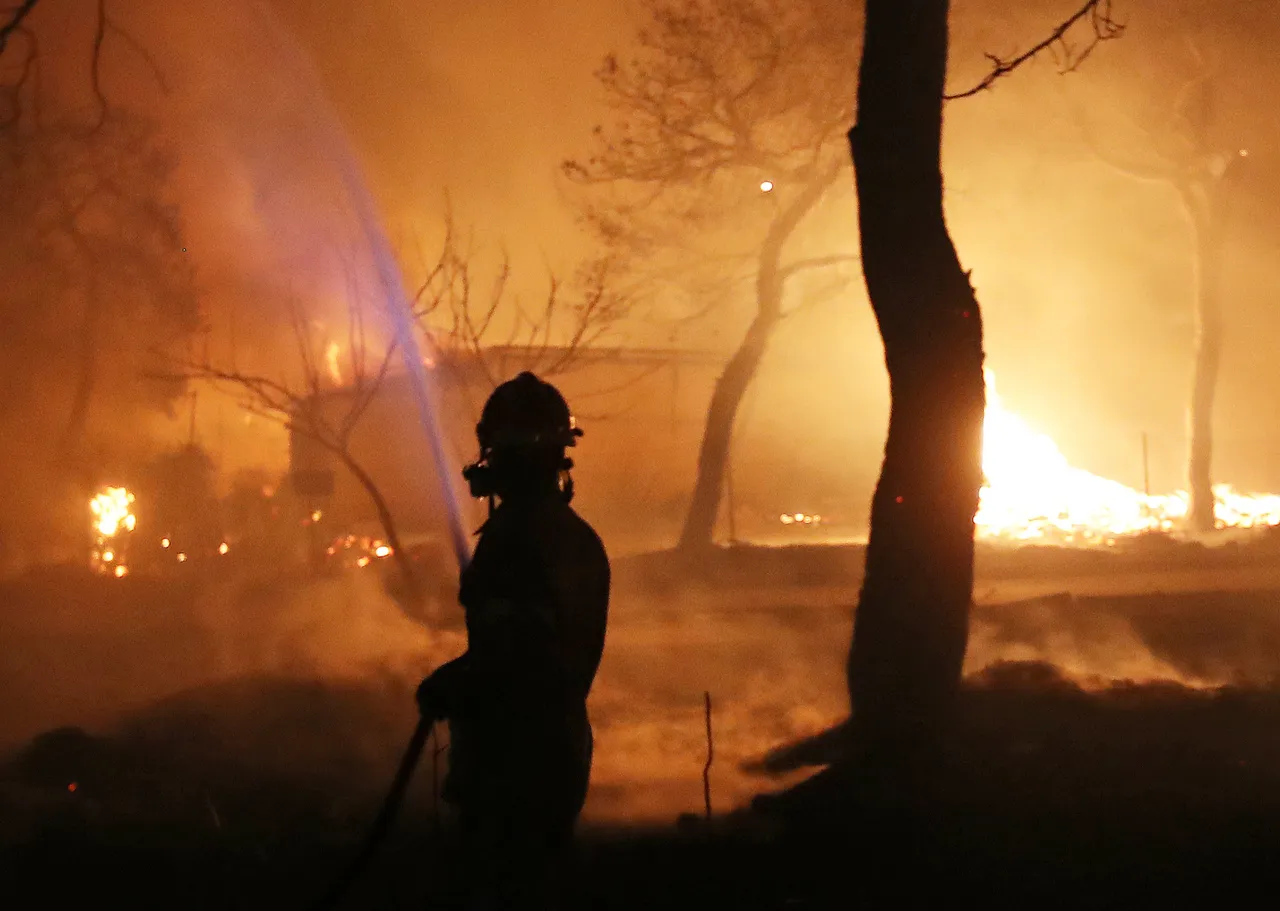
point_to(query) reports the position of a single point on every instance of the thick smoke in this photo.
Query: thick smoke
(334, 663)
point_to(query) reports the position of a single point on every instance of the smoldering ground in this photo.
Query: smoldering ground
(226, 743)
(309, 681)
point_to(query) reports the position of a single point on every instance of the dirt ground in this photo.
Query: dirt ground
(237, 734)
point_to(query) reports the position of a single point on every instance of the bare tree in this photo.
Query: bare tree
(466, 317)
(911, 626)
(1189, 153)
(726, 124)
(305, 406)
(96, 247)
(335, 385)
(94, 275)
(912, 621)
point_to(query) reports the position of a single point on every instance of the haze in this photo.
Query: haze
(1086, 277)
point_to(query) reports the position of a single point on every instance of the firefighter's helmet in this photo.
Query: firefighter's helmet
(526, 412)
(526, 422)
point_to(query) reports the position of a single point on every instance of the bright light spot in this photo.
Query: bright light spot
(315, 516)
(164, 542)
(113, 521)
(111, 511)
(331, 362)
(800, 518)
(72, 787)
(223, 548)
(122, 571)
(1244, 153)
(381, 550)
(1033, 493)
(766, 186)
(362, 562)
(182, 558)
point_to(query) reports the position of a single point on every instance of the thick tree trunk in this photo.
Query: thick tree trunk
(717, 433)
(1206, 221)
(911, 627)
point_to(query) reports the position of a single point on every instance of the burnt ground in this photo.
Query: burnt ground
(1046, 792)
(249, 789)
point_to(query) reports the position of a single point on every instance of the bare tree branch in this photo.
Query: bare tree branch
(1102, 24)
(95, 70)
(103, 23)
(14, 22)
(486, 326)
(1147, 170)
(791, 270)
(143, 53)
(29, 71)
(326, 416)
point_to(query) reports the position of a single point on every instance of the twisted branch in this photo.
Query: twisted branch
(1104, 28)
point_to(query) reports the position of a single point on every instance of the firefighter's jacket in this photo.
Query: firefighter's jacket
(536, 598)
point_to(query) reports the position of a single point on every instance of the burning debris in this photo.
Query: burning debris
(357, 551)
(800, 518)
(1032, 494)
(113, 525)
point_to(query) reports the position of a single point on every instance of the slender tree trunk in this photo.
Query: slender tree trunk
(713, 455)
(87, 373)
(717, 433)
(1204, 209)
(911, 627)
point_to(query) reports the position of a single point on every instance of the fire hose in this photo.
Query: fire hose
(383, 821)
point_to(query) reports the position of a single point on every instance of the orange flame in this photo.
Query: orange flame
(1032, 493)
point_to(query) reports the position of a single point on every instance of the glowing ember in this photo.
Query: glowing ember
(223, 548)
(800, 518)
(382, 550)
(164, 542)
(1032, 493)
(111, 511)
(113, 521)
(331, 353)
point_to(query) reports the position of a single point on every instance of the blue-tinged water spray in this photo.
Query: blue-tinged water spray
(390, 281)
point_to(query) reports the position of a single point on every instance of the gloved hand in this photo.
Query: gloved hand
(435, 693)
(430, 698)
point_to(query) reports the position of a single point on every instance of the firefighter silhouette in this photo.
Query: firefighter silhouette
(536, 602)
